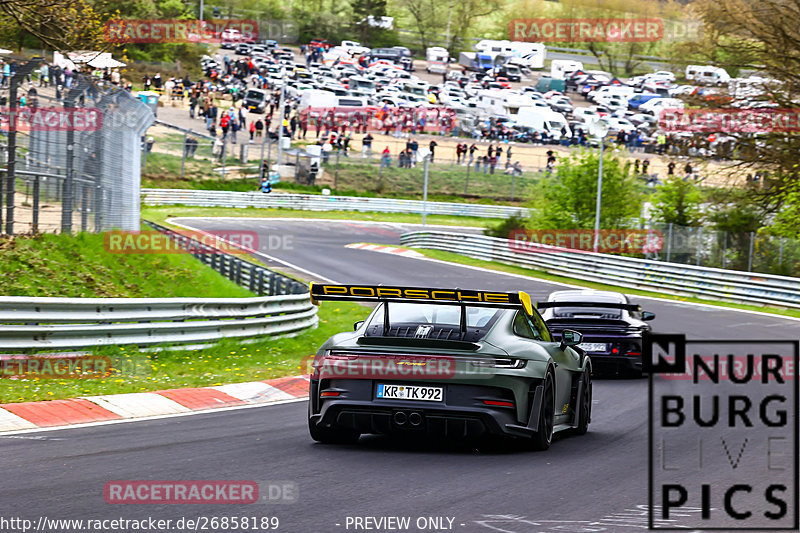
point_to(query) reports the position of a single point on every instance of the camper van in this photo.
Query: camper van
(503, 103)
(707, 74)
(561, 68)
(317, 98)
(542, 121)
(530, 55)
(437, 58)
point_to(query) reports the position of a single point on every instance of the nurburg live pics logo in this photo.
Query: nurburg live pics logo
(723, 433)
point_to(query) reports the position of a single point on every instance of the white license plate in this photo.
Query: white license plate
(409, 392)
(593, 346)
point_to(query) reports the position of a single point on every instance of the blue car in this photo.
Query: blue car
(639, 99)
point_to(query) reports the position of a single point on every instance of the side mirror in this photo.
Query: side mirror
(357, 325)
(647, 315)
(570, 337)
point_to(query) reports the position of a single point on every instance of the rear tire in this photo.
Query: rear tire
(585, 400)
(543, 437)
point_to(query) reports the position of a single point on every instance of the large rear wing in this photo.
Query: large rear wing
(423, 295)
(606, 305)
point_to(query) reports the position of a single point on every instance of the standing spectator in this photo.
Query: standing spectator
(688, 170)
(148, 83)
(266, 185)
(346, 144)
(498, 153)
(551, 160)
(671, 168)
(645, 167)
(492, 163)
(157, 81)
(486, 159)
(472, 150)
(460, 151)
(211, 115)
(432, 147)
(366, 146)
(192, 104)
(304, 124)
(259, 127)
(225, 124)
(252, 130)
(386, 158)
(661, 143)
(292, 126)
(44, 75)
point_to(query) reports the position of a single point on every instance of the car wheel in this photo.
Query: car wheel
(586, 405)
(544, 431)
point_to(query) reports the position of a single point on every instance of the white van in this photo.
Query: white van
(655, 105)
(561, 68)
(609, 90)
(542, 121)
(707, 74)
(317, 98)
(530, 55)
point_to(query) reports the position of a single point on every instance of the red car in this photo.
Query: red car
(317, 43)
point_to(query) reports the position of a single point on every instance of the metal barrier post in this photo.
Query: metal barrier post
(336, 172)
(699, 244)
(425, 190)
(750, 254)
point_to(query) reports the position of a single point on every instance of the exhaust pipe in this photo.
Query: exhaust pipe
(415, 419)
(400, 418)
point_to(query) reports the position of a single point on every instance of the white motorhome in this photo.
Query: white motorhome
(707, 74)
(607, 90)
(437, 58)
(502, 103)
(530, 55)
(561, 68)
(542, 121)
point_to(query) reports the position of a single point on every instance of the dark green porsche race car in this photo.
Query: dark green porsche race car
(450, 363)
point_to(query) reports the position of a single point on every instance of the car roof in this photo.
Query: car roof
(585, 295)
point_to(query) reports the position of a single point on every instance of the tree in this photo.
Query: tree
(429, 17)
(362, 9)
(568, 200)
(58, 24)
(677, 202)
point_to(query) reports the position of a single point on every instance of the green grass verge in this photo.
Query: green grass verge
(79, 267)
(159, 214)
(228, 361)
(501, 267)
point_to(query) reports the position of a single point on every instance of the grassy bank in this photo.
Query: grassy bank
(79, 266)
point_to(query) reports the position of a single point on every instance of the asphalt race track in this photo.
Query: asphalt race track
(597, 482)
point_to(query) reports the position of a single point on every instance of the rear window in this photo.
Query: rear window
(433, 321)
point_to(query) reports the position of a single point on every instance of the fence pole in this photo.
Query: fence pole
(185, 149)
(222, 154)
(336, 172)
(84, 207)
(261, 162)
(669, 241)
(750, 254)
(512, 186)
(699, 244)
(466, 183)
(425, 190)
(2, 182)
(725, 250)
(780, 253)
(35, 226)
(12, 153)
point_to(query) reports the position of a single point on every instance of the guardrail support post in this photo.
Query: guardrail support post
(35, 226)
(750, 254)
(699, 244)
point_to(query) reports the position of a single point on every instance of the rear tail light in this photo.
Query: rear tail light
(329, 394)
(633, 353)
(499, 403)
(500, 363)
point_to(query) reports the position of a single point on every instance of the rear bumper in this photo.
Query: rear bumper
(619, 362)
(461, 415)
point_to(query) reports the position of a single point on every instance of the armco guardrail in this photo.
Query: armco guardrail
(258, 279)
(68, 323)
(686, 280)
(319, 202)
